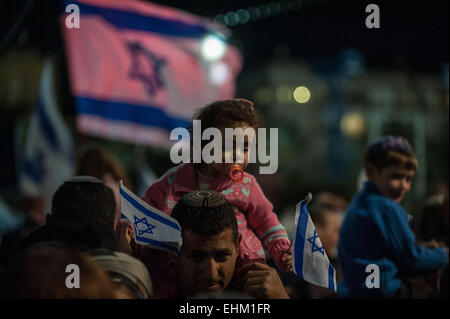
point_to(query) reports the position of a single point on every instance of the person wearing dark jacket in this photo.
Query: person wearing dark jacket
(82, 216)
(377, 250)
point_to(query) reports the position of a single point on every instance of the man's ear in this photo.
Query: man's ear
(371, 171)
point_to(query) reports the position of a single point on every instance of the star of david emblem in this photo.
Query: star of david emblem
(143, 226)
(146, 67)
(315, 247)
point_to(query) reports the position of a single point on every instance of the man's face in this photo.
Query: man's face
(206, 263)
(393, 182)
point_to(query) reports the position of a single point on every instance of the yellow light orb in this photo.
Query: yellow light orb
(302, 94)
(352, 124)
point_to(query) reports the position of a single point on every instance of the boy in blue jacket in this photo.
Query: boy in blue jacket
(376, 245)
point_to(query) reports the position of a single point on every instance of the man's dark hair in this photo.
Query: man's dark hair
(205, 213)
(84, 198)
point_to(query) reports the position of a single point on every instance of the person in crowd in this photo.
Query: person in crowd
(82, 216)
(18, 218)
(54, 271)
(377, 250)
(327, 221)
(433, 227)
(129, 276)
(95, 160)
(258, 224)
(434, 222)
(333, 201)
(207, 260)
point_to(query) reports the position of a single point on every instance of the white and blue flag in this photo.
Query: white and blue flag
(152, 227)
(310, 260)
(48, 158)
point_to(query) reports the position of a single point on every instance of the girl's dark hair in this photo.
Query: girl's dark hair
(227, 113)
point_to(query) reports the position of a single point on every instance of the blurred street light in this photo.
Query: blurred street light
(302, 94)
(352, 124)
(218, 73)
(213, 48)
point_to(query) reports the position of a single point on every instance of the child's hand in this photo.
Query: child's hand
(286, 261)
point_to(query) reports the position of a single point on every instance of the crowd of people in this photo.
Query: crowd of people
(233, 241)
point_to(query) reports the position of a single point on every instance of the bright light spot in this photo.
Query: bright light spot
(302, 94)
(218, 73)
(352, 124)
(213, 48)
(284, 94)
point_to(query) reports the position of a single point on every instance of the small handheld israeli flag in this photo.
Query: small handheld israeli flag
(310, 261)
(152, 227)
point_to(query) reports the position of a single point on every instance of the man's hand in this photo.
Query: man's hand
(261, 281)
(124, 236)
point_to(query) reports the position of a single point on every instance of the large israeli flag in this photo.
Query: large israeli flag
(152, 227)
(309, 257)
(137, 69)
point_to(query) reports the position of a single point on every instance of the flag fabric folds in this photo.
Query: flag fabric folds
(48, 158)
(137, 71)
(310, 260)
(152, 227)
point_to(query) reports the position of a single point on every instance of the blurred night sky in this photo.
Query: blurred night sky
(413, 34)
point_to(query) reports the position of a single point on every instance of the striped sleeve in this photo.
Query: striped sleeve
(264, 222)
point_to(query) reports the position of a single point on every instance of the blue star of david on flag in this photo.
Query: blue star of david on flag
(146, 67)
(146, 228)
(315, 247)
(146, 219)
